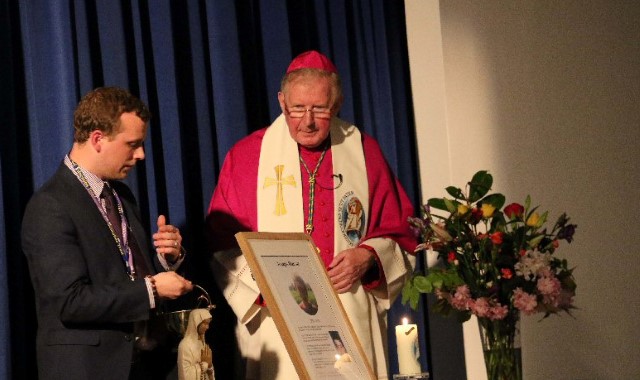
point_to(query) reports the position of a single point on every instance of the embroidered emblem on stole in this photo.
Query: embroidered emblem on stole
(351, 217)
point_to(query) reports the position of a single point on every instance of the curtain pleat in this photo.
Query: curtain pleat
(210, 72)
(5, 352)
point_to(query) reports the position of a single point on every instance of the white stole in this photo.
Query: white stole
(279, 187)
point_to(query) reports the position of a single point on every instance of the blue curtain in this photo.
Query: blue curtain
(210, 72)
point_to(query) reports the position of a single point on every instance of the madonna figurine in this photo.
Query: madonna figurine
(195, 359)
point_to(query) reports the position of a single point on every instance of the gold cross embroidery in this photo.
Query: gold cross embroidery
(279, 181)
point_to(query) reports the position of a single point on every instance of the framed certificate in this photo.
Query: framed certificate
(305, 308)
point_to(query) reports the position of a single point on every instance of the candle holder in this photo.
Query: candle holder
(413, 376)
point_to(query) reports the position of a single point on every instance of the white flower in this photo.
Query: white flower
(532, 264)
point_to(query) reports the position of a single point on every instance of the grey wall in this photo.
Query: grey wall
(545, 95)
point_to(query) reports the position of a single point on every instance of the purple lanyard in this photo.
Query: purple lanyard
(123, 246)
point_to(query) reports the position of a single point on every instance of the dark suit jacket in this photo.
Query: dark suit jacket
(85, 302)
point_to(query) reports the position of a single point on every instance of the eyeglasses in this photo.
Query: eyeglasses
(316, 112)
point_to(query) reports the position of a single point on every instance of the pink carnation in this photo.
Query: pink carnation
(480, 307)
(524, 301)
(550, 288)
(498, 312)
(546, 272)
(461, 298)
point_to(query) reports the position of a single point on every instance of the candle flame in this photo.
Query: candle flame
(337, 356)
(405, 321)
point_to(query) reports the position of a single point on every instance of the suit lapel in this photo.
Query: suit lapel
(91, 227)
(82, 201)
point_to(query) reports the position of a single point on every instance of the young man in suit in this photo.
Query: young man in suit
(95, 279)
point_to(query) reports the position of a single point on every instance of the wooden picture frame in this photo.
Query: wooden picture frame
(305, 308)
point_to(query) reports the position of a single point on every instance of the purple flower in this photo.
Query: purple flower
(566, 232)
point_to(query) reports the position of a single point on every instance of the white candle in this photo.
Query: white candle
(408, 348)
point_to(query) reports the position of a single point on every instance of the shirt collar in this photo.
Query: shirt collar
(95, 183)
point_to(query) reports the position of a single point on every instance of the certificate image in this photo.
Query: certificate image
(337, 342)
(305, 308)
(303, 294)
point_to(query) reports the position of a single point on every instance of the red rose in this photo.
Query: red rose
(506, 273)
(513, 210)
(452, 257)
(496, 238)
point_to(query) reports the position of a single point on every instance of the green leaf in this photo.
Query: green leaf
(437, 281)
(455, 192)
(413, 301)
(422, 284)
(496, 200)
(451, 206)
(543, 219)
(498, 221)
(437, 203)
(533, 243)
(451, 280)
(480, 185)
(410, 294)
(406, 290)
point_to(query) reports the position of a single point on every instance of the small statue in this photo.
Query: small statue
(195, 359)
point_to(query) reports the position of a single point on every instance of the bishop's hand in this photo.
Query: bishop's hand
(349, 266)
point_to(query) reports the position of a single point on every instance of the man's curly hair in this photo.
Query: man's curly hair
(101, 108)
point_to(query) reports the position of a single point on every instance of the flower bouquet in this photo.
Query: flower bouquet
(495, 263)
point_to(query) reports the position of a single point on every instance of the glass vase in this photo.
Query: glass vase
(501, 347)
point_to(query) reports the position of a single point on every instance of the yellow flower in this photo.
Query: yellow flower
(533, 220)
(462, 209)
(487, 210)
